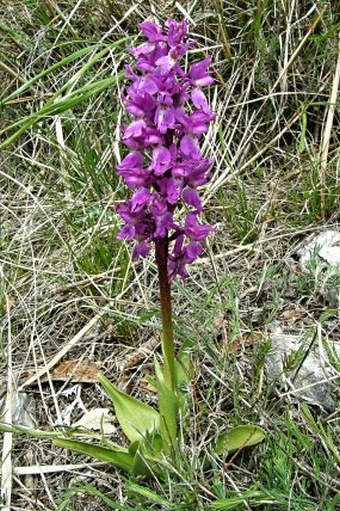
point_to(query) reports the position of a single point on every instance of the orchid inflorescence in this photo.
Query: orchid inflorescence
(165, 166)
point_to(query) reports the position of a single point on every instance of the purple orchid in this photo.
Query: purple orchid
(165, 166)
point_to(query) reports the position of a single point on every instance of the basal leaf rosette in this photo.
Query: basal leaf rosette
(165, 167)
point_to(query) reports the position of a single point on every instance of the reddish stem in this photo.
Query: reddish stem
(168, 346)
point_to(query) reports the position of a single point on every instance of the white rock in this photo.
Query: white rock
(320, 244)
(330, 254)
(308, 382)
(97, 419)
(324, 251)
(23, 409)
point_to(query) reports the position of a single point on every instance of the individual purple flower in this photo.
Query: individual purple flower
(191, 197)
(161, 160)
(198, 74)
(189, 148)
(164, 118)
(182, 256)
(200, 101)
(132, 171)
(165, 167)
(140, 199)
(142, 249)
(163, 218)
(177, 32)
(152, 31)
(171, 190)
(139, 135)
(140, 105)
(194, 230)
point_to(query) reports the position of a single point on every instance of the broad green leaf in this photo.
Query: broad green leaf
(168, 404)
(158, 371)
(135, 418)
(146, 456)
(120, 457)
(142, 465)
(152, 445)
(240, 436)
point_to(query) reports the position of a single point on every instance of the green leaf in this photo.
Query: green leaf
(88, 489)
(142, 465)
(230, 503)
(72, 97)
(119, 457)
(61, 105)
(146, 456)
(168, 403)
(149, 494)
(36, 433)
(152, 445)
(240, 436)
(184, 369)
(70, 58)
(135, 418)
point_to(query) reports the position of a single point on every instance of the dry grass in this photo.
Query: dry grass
(69, 290)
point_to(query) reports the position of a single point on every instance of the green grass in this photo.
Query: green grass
(61, 68)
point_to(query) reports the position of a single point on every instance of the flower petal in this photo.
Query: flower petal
(190, 148)
(199, 100)
(191, 197)
(161, 160)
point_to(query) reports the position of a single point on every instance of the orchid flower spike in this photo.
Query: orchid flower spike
(165, 166)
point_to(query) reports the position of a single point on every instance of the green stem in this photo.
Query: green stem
(168, 345)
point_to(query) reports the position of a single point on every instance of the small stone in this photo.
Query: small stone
(97, 419)
(320, 262)
(23, 409)
(326, 245)
(305, 375)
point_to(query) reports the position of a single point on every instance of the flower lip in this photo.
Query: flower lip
(161, 160)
